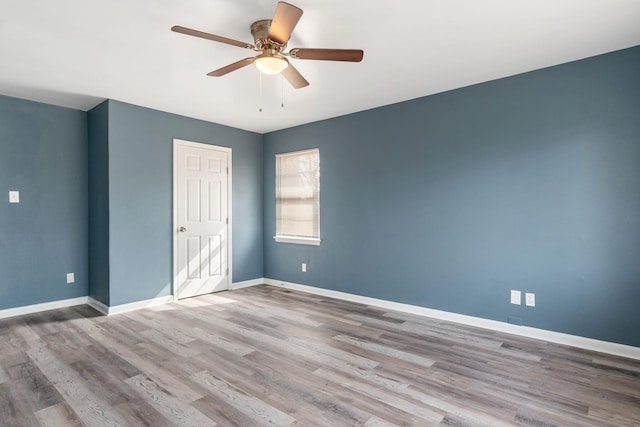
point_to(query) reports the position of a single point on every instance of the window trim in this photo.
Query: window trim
(299, 240)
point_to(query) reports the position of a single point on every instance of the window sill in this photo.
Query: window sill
(297, 240)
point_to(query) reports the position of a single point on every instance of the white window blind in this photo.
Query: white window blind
(298, 197)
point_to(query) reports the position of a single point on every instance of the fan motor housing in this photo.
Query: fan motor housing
(260, 29)
(260, 33)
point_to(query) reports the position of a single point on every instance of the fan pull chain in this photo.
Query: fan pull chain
(260, 106)
(282, 90)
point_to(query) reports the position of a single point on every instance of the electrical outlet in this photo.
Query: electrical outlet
(71, 277)
(516, 297)
(304, 267)
(14, 197)
(530, 299)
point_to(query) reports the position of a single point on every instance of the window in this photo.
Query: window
(298, 197)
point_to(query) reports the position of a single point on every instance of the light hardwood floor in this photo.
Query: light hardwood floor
(268, 356)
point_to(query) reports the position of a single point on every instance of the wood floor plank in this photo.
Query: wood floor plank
(163, 375)
(92, 408)
(14, 411)
(58, 415)
(175, 410)
(428, 414)
(4, 376)
(321, 348)
(255, 409)
(36, 389)
(270, 356)
(388, 351)
(222, 412)
(316, 399)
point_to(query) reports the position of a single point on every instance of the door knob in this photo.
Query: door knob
(182, 229)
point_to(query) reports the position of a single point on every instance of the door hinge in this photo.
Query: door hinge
(227, 221)
(227, 271)
(227, 170)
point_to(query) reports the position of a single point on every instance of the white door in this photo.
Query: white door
(201, 220)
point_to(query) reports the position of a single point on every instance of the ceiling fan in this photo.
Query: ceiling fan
(270, 39)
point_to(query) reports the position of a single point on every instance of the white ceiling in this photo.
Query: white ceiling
(76, 53)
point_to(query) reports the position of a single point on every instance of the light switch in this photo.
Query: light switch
(14, 197)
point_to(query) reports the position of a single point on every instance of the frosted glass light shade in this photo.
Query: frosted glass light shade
(271, 64)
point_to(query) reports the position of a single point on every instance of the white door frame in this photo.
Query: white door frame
(174, 231)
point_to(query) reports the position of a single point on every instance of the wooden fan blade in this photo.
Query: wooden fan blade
(349, 55)
(284, 21)
(294, 77)
(203, 35)
(231, 67)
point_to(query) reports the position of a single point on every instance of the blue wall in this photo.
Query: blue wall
(43, 154)
(98, 119)
(449, 201)
(140, 198)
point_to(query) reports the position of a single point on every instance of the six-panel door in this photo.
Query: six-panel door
(202, 221)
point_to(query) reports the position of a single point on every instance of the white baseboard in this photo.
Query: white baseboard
(246, 284)
(525, 331)
(105, 309)
(36, 308)
(123, 308)
(102, 308)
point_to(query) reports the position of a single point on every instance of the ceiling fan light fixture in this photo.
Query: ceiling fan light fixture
(271, 64)
(271, 37)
